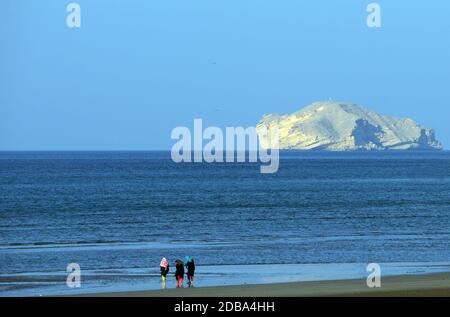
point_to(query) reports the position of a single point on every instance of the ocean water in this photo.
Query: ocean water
(117, 213)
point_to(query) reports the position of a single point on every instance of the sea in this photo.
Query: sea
(323, 215)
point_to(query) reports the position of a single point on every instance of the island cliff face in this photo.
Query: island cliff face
(338, 126)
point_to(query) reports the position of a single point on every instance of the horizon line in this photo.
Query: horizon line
(298, 150)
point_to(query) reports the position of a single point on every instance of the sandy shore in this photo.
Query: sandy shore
(406, 285)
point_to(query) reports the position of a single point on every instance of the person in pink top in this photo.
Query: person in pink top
(164, 266)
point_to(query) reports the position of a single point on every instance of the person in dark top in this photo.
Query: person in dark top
(179, 273)
(190, 266)
(164, 266)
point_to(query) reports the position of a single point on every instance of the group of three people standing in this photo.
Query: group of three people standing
(179, 271)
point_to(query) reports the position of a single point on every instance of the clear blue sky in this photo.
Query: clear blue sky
(136, 69)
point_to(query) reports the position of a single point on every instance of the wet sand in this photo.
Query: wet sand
(437, 284)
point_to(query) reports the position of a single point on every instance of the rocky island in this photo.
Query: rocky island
(338, 126)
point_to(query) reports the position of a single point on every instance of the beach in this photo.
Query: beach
(437, 284)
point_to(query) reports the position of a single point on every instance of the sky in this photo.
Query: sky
(137, 69)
